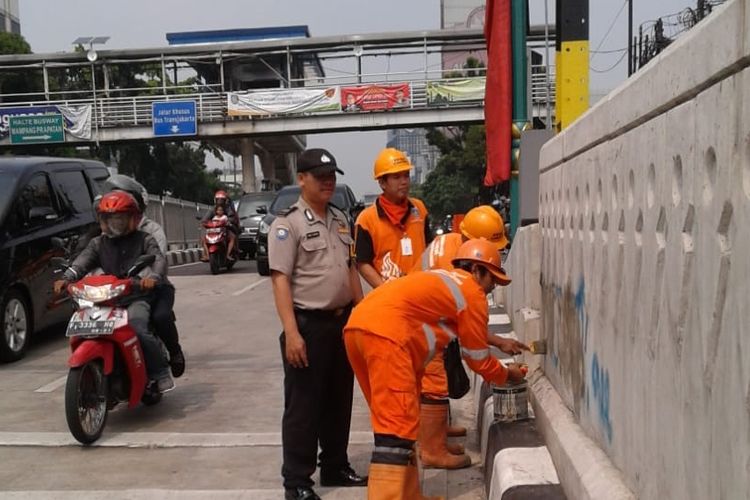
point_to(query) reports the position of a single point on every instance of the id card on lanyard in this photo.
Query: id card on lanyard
(406, 248)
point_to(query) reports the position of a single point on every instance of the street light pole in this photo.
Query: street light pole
(631, 70)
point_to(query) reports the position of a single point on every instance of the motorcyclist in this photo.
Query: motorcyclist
(162, 307)
(115, 251)
(221, 198)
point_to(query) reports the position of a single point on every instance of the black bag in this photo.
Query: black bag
(458, 381)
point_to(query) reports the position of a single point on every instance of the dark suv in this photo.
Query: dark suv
(252, 208)
(39, 198)
(343, 198)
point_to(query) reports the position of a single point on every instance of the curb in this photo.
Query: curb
(516, 462)
(585, 471)
(177, 257)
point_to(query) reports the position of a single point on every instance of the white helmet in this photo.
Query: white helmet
(124, 183)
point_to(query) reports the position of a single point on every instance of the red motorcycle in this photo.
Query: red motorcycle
(217, 241)
(107, 365)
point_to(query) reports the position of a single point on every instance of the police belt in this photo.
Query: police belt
(324, 313)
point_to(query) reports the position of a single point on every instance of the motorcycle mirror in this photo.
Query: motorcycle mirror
(57, 242)
(141, 263)
(262, 209)
(59, 262)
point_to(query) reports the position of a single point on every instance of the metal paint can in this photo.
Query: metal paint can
(511, 401)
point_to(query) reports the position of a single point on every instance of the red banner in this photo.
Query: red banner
(498, 91)
(375, 97)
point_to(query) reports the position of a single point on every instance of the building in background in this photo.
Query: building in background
(413, 142)
(10, 20)
(462, 15)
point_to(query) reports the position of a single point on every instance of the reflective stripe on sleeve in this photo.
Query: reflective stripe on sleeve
(475, 354)
(430, 337)
(447, 329)
(455, 291)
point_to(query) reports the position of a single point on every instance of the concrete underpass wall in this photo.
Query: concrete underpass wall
(645, 261)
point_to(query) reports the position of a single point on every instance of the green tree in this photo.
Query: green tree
(455, 185)
(166, 168)
(14, 82)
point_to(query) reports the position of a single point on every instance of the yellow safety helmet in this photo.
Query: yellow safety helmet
(484, 222)
(391, 161)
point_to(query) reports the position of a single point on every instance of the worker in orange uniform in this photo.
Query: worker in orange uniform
(393, 232)
(395, 331)
(434, 449)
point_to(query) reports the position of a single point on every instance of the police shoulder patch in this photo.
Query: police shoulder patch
(282, 233)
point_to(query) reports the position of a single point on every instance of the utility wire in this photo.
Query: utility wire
(613, 51)
(611, 67)
(609, 30)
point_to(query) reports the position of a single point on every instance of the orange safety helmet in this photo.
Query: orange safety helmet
(391, 161)
(484, 253)
(484, 222)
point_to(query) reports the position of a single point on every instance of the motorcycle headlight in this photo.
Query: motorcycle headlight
(97, 293)
(264, 227)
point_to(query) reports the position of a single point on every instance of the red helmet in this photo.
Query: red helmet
(117, 202)
(220, 195)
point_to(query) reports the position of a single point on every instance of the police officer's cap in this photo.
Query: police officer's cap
(317, 162)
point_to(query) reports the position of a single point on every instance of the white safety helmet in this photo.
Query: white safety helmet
(124, 183)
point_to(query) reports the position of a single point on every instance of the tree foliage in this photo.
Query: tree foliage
(172, 169)
(455, 185)
(12, 82)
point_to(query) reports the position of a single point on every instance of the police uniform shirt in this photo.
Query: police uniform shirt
(315, 254)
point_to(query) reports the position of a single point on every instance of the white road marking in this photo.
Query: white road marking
(499, 319)
(250, 287)
(185, 265)
(160, 439)
(53, 385)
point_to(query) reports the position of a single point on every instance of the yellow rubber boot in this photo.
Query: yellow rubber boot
(387, 482)
(433, 423)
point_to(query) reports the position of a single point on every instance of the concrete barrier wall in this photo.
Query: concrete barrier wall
(644, 232)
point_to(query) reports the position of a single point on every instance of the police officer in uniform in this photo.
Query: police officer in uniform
(315, 284)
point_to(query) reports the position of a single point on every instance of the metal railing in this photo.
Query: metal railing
(110, 112)
(327, 61)
(178, 219)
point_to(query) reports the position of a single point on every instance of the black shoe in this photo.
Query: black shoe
(177, 363)
(342, 477)
(301, 493)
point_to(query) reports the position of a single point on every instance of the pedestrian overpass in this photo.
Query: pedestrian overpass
(260, 96)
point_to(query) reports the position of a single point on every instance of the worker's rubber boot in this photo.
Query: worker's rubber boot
(455, 448)
(387, 482)
(455, 431)
(433, 423)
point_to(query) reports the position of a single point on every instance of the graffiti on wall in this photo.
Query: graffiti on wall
(599, 385)
(597, 379)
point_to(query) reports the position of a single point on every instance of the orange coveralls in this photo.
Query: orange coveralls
(438, 255)
(394, 332)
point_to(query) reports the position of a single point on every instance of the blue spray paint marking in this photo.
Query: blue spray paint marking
(600, 385)
(583, 319)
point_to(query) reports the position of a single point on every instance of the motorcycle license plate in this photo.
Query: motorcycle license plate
(90, 327)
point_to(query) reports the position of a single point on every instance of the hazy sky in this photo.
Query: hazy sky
(51, 26)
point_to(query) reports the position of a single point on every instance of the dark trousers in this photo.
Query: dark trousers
(317, 400)
(162, 315)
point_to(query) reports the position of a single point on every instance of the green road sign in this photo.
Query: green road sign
(31, 129)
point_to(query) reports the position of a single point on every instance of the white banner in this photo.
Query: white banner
(283, 101)
(78, 120)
